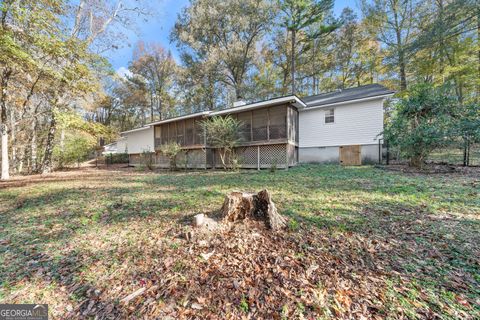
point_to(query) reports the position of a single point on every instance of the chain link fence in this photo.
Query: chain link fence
(457, 154)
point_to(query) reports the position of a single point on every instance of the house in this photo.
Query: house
(119, 146)
(342, 126)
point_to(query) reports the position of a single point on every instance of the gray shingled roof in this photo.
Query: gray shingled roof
(361, 92)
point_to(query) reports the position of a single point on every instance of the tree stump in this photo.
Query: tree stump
(242, 205)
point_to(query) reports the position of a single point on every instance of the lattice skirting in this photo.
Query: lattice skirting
(195, 159)
(192, 159)
(264, 156)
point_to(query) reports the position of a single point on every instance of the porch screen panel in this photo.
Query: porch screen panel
(198, 132)
(245, 119)
(164, 133)
(259, 124)
(278, 122)
(180, 133)
(158, 136)
(189, 132)
(172, 132)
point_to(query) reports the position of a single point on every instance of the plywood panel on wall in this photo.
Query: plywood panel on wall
(350, 155)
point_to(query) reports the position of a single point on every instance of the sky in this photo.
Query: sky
(157, 29)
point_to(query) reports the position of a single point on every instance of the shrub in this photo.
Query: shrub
(147, 159)
(76, 149)
(171, 150)
(273, 166)
(223, 133)
(113, 158)
(422, 122)
(235, 161)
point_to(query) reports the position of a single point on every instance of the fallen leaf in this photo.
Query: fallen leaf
(196, 306)
(207, 256)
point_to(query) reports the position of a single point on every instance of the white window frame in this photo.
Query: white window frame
(327, 114)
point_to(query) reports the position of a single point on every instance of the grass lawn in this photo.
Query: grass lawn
(361, 242)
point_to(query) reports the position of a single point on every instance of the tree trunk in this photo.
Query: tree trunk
(13, 135)
(314, 69)
(403, 76)
(62, 147)
(47, 160)
(151, 106)
(5, 162)
(478, 52)
(33, 147)
(240, 206)
(400, 52)
(293, 60)
(3, 125)
(21, 160)
(223, 156)
(416, 161)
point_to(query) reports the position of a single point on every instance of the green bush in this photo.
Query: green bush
(77, 148)
(223, 133)
(422, 121)
(113, 158)
(171, 151)
(147, 159)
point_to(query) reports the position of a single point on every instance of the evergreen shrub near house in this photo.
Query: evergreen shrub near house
(422, 121)
(114, 158)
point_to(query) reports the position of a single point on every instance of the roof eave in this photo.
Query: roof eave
(382, 96)
(137, 129)
(294, 100)
(188, 116)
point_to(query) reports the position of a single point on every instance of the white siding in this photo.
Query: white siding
(140, 140)
(121, 145)
(355, 123)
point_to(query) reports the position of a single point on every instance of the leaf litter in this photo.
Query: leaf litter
(402, 263)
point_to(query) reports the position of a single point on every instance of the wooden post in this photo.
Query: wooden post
(258, 157)
(286, 148)
(251, 125)
(205, 146)
(287, 124)
(194, 130)
(268, 123)
(176, 132)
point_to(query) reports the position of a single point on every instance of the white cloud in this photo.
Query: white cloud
(124, 72)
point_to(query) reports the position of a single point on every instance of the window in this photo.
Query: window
(330, 116)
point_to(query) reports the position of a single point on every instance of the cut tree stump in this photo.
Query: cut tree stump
(242, 205)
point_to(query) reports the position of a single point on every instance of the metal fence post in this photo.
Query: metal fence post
(388, 153)
(380, 151)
